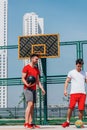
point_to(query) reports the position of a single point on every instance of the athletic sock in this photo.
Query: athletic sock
(68, 121)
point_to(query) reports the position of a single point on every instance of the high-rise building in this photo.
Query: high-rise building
(3, 52)
(32, 24)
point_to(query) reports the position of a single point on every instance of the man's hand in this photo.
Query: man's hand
(30, 85)
(65, 93)
(43, 92)
(66, 86)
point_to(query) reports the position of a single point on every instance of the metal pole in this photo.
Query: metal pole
(43, 60)
(40, 107)
(78, 50)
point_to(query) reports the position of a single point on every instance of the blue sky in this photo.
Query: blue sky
(66, 17)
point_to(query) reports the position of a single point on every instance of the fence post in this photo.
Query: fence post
(43, 60)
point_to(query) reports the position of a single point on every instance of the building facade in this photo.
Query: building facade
(3, 52)
(32, 24)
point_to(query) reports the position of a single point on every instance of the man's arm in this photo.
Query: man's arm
(86, 80)
(40, 86)
(24, 81)
(66, 86)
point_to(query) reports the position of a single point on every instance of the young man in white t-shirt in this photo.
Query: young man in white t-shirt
(77, 93)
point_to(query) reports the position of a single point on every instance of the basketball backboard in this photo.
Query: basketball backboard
(46, 45)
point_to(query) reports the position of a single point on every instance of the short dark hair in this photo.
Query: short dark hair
(33, 55)
(79, 61)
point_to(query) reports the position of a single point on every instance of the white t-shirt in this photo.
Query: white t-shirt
(77, 81)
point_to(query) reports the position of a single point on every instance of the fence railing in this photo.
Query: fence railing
(54, 112)
(58, 79)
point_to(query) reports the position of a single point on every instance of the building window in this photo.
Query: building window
(4, 106)
(3, 96)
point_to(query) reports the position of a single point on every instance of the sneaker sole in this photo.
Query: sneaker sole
(65, 126)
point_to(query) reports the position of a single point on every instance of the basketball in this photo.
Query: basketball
(31, 79)
(79, 123)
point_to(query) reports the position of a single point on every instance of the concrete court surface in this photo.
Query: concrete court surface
(45, 127)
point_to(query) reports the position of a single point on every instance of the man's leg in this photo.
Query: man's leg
(67, 122)
(28, 112)
(69, 114)
(31, 113)
(28, 115)
(81, 105)
(29, 109)
(70, 109)
(81, 112)
(32, 107)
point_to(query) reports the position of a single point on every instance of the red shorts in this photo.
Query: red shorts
(77, 98)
